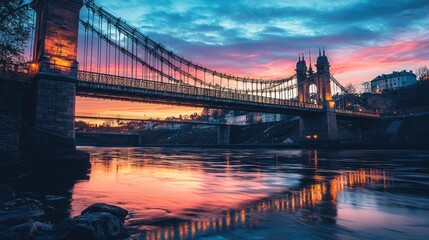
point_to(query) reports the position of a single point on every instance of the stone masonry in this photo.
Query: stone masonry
(56, 53)
(11, 97)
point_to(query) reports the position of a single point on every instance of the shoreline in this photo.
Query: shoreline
(327, 146)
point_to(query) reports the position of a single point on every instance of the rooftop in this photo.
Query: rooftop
(394, 74)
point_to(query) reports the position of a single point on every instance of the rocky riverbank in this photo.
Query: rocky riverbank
(27, 216)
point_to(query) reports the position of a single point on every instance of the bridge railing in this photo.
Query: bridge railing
(349, 112)
(15, 72)
(57, 70)
(15, 76)
(199, 92)
(25, 71)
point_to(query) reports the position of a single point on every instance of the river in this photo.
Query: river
(208, 193)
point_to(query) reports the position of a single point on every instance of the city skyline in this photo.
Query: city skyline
(362, 39)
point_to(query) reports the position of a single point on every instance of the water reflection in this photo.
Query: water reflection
(307, 197)
(188, 194)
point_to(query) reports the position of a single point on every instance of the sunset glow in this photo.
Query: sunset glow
(183, 120)
(263, 40)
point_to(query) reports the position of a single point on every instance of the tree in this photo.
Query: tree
(82, 125)
(15, 29)
(350, 88)
(108, 123)
(422, 73)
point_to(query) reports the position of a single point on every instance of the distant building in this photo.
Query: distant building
(237, 120)
(254, 118)
(270, 117)
(392, 81)
(366, 87)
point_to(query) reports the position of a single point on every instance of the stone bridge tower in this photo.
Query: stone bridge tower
(320, 126)
(55, 65)
(301, 73)
(323, 76)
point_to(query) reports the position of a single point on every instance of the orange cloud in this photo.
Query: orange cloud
(112, 107)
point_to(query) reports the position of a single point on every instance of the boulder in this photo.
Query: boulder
(94, 226)
(49, 210)
(56, 207)
(6, 193)
(20, 202)
(56, 200)
(102, 207)
(27, 230)
(27, 195)
(20, 211)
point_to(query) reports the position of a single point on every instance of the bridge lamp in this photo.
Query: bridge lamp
(33, 67)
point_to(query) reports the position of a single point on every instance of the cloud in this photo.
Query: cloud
(263, 38)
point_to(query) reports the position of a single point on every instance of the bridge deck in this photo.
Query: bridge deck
(114, 87)
(137, 90)
(130, 89)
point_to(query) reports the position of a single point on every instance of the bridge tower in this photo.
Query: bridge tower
(323, 77)
(320, 126)
(55, 65)
(301, 73)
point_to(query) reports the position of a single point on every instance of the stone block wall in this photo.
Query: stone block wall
(224, 134)
(320, 126)
(11, 98)
(55, 106)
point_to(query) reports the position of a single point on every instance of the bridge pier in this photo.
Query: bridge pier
(224, 134)
(51, 129)
(320, 126)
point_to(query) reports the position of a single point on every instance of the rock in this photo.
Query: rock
(49, 210)
(56, 207)
(20, 202)
(45, 238)
(102, 207)
(6, 193)
(56, 200)
(26, 230)
(19, 211)
(94, 226)
(27, 195)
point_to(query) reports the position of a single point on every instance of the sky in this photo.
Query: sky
(363, 39)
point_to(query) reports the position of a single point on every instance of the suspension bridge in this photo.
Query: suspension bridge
(80, 49)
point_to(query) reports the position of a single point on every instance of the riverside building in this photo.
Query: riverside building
(393, 81)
